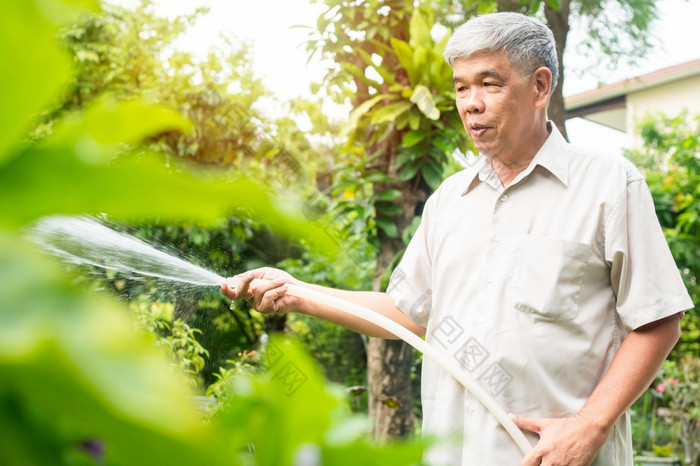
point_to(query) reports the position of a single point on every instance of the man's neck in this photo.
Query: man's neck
(507, 172)
(507, 169)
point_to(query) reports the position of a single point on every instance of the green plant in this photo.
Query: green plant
(128, 53)
(679, 383)
(649, 432)
(176, 338)
(78, 383)
(290, 413)
(670, 156)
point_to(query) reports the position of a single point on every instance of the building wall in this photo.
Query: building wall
(670, 99)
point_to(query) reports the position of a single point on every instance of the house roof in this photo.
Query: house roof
(606, 104)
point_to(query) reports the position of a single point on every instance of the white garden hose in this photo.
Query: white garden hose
(437, 355)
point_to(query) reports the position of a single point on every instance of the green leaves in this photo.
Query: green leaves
(388, 227)
(106, 127)
(670, 155)
(419, 30)
(28, 84)
(290, 413)
(424, 101)
(72, 367)
(389, 113)
(84, 373)
(406, 121)
(77, 161)
(75, 369)
(388, 195)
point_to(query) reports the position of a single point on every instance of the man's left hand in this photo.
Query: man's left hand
(571, 441)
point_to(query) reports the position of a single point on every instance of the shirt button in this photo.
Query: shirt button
(489, 278)
(497, 238)
(504, 198)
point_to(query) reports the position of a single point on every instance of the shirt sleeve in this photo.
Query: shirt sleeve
(644, 275)
(411, 283)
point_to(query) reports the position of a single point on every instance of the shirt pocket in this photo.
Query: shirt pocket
(547, 277)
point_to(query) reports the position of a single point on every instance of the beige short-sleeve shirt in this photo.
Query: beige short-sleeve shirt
(531, 289)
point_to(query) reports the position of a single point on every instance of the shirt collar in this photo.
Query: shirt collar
(551, 157)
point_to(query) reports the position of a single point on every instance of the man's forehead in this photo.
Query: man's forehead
(484, 73)
(483, 64)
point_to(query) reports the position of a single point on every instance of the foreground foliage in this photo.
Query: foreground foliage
(127, 53)
(79, 384)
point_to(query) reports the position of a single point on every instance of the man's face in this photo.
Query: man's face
(496, 103)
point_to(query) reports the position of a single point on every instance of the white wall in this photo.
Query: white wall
(669, 99)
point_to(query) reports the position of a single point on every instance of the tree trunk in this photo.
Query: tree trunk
(558, 21)
(389, 364)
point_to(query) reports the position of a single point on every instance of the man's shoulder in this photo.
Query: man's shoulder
(586, 160)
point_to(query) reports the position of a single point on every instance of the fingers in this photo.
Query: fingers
(228, 292)
(272, 299)
(530, 424)
(532, 459)
(535, 457)
(244, 288)
(265, 295)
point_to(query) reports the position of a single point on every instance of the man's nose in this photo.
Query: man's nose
(473, 103)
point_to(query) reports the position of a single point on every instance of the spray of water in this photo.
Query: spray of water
(86, 241)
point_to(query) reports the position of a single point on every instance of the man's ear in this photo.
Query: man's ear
(542, 79)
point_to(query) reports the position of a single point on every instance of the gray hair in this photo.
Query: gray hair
(526, 41)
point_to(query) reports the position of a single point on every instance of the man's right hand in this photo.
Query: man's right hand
(264, 289)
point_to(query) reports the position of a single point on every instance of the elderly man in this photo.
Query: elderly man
(542, 269)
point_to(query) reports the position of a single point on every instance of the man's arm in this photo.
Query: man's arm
(270, 297)
(576, 440)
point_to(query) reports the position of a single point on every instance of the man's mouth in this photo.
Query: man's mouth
(477, 130)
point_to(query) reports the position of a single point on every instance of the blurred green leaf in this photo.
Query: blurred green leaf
(30, 76)
(409, 170)
(359, 112)
(419, 30)
(424, 101)
(404, 53)
(389, 112)
(75, 162)
(388, 227)
(285, 408)
(359, 74)
(73, 368)
(377, 177)
(107, 126)
(388, 208)
(432, 174)
(290, 412)
(412, 138)
(388, 195)
(141, 187)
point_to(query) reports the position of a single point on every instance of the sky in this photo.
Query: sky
(280, 59)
